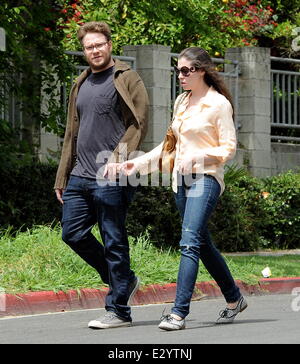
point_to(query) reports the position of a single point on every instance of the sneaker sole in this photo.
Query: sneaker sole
(171, 328)
(244, 308)
(99, 325)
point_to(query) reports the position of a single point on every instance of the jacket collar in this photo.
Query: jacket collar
(120, 66)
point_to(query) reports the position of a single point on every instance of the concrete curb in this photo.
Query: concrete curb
(49, 301)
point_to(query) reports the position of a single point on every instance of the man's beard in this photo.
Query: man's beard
(101, 66)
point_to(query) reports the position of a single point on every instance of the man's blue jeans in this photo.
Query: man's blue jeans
(85, 204)
(196, 202)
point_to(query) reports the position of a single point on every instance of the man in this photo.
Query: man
(107, 114)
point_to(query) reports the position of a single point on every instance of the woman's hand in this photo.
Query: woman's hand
(187, 164)
(128, 168)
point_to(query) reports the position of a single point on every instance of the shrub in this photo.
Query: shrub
(27, 197)
(154, 209)
(252, 213)
(235, 224)
(282, 205)
(237, 220)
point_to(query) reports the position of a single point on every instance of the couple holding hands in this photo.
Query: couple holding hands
(107, 107)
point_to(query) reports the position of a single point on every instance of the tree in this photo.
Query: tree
(34, 44)
(212, 24)
(39, 31)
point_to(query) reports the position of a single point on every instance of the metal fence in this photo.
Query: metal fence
(285, 102)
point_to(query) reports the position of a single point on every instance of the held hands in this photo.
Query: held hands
(185, 166)
(113, 169)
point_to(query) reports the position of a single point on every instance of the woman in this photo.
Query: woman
(205, 139)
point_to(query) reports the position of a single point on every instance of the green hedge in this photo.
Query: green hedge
(27, 197)
(252, 213)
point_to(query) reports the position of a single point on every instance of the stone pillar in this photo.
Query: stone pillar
(153, 64)
(254, 107)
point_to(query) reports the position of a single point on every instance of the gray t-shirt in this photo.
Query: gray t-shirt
(101, 125)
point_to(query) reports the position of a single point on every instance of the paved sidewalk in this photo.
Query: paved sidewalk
(268, 319)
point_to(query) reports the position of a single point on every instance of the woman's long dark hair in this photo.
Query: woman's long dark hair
(200, 59)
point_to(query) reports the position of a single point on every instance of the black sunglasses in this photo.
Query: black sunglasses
(184, 70)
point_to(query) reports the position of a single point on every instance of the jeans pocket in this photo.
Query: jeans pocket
(72, 186)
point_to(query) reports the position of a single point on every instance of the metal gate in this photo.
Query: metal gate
(285, 102)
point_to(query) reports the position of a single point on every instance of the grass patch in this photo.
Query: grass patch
(38, 260)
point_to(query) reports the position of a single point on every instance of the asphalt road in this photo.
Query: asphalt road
(268, 319)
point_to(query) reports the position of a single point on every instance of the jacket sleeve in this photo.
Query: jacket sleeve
(140, 101)
(62, 174)
(68, 154)
(134, 94)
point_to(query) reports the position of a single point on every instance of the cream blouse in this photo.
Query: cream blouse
(207, 129)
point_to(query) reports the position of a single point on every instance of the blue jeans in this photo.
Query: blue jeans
(196, 202)
(85, 204)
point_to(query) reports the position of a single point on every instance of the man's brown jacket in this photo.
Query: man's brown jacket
(134, 105)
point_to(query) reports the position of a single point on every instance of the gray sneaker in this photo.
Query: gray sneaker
(228, 315)
(133, 288)
(109, 320)
(169, 323)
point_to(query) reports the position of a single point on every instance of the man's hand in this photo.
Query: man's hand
(111, 170)
(59, 192)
